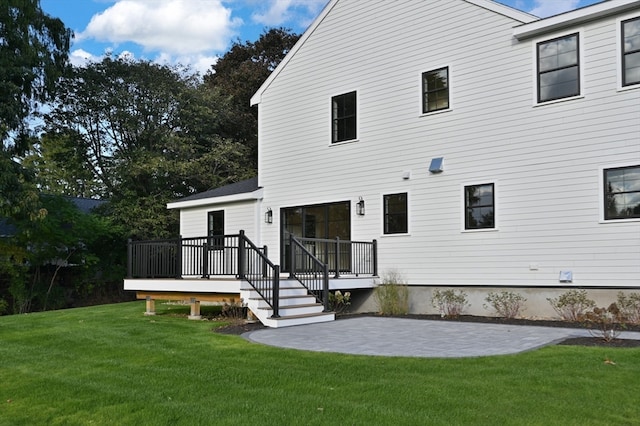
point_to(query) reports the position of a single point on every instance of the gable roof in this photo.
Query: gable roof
(517, 15)
(243, 190)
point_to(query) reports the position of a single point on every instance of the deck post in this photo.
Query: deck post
(292, 258)
(205, 260)
(337, 257)
(325, 287)
(375, 258)
(241, 256)
(129, 258)
(179, 258)
(151, 306)
(195, 309)
(276, 292)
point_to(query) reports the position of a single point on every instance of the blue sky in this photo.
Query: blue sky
(197, 32)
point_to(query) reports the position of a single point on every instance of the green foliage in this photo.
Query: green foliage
(234, 310)
(450, 303)
(572, 304)
(629, 307)
(339, 302)
(110, 364)
(392, 295)
(507, 304)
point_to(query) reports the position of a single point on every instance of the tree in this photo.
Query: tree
(33, 55)
(239, 73)
(141, 135)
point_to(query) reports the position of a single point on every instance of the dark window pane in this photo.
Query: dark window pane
(343, 117)
(558, 68)
(435, 87)
(395, 214)
(631, 52)
(479, 206)
(215, 228)
(622, 193)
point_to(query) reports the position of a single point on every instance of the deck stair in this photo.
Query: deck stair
(297, 306)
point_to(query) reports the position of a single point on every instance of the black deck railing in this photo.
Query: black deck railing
(260, 273)
(344, 257)
(309, 270)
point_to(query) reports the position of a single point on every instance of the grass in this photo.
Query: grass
(112, 365)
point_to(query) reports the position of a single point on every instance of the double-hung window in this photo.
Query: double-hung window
(435, 90)
(479, 203)
(631, 51)
(622, 193)
(343, 116)
(558, 68)
(215, 229)
(396, 213)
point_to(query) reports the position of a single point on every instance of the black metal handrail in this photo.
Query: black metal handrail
(310, 271)
(344, 257)
(257, 270)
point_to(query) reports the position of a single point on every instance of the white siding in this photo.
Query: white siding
(544, 160)
(237, 216)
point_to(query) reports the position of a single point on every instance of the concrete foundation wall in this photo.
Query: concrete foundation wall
(536, 306)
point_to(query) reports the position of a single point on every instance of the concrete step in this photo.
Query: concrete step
(293, 320)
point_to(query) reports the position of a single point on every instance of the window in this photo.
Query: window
(558, 68)
(622, 193)
(631, 52)
(395, 214)
(435, 90)
(343, 114)
(215, 228)
(479, 203)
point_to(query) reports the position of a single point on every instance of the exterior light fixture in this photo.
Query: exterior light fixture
(268, 216)
(360, 207)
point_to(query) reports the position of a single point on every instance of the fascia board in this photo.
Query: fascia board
(247, 196)
(507, 11)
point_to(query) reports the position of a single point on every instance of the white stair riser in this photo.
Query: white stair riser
(286, 311)
(289, 322)
(284, 302)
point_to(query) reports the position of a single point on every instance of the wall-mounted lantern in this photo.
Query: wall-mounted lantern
(360, 207)
(268, 216)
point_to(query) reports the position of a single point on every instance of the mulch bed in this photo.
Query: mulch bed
(243, 327)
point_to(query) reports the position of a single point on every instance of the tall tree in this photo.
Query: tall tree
(240, 72)
(33, 55)
(144, 134)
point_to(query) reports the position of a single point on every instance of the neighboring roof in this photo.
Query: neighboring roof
(243, 190)
(575, 17)
(491, 5)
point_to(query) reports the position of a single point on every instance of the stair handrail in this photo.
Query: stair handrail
(259, 272)
(321, 268)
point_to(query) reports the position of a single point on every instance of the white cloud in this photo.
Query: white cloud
(545, 8)
(177, 27)
(279, 12)
(79, 57)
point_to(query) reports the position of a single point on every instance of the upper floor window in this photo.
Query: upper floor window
(435, 90)
(215, 229)
(558, 68)
(396, 214)
(622, 193)
(479, 204)
(631, 51)
(343, 115)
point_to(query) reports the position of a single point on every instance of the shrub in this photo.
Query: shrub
(607, 322)
(572, 304)
(630, 307)
(4, 306)
(392, 296)
(450, 303)
(234, 310)
(507, 304)
(339, 302)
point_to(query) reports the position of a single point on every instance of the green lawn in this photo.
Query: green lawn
(112, 365)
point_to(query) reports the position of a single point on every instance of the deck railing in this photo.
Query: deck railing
(344, 257)
(310, 271)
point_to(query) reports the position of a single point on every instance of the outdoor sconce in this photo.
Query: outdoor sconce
(360, 207)
(268, 216)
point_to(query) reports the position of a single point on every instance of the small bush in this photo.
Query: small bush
(234, 310)
(392, 296)
(607, 322)
(629, 307)
(572, 304)
(450, 303)
(4, 306)
(507, 304)
(339, 302)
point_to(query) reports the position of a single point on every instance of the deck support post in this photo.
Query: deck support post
(195, 309)
(151, 306)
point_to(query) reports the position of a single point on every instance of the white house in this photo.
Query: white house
(481, 147)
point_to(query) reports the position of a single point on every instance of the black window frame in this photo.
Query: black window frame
(577, 65)
(395, 222)
(609, 193)
(430, 90)
(215, 229)
(469, 208)
(344, 114)
(625, 54)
